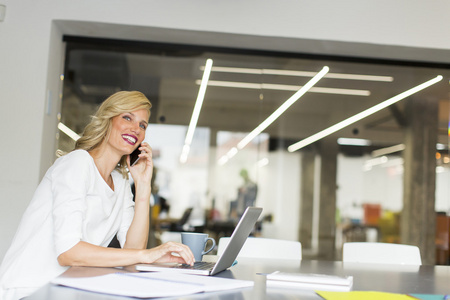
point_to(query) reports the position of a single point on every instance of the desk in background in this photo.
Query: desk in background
(367, 277)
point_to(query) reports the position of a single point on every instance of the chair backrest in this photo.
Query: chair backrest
(185, 217)
(381, 253)
(255, 247)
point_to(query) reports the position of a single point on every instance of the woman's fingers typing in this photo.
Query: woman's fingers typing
(175, 252)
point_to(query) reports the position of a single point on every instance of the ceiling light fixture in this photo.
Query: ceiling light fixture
(353, 142)
(440, 146)
(374, 162)
(72, 134)
(262, 162)
(301, 74)
(247, 139)
(225, 158)
(264, 124)
(196, 112)
(361, 115)
(388, 150)
(398, 148)
(285, 87)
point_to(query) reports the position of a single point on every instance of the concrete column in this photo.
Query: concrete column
(418, 217)
(327, 211)
(307, 199)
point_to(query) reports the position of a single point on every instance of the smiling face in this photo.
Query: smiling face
(128, 131)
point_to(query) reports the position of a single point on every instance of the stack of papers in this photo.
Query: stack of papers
(309, 281)
(151, 284)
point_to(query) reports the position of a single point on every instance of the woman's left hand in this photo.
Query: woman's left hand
(142, 171)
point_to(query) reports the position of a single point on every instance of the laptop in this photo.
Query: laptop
(226, 260)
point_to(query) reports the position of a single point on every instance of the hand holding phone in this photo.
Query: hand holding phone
(134, 156)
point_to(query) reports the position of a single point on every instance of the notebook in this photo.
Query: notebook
(226, 260)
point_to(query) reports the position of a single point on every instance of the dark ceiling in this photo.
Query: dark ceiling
(167, 74)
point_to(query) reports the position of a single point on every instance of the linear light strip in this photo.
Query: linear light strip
(360, 77)
(285, 87)
(302, 74)
(337, 91)
(282, 109)
(353, 142)
(225, 158)
(262, 162)
(233, 151)
(361, 115)
(196, 111)
(388, 150)
(72, 134)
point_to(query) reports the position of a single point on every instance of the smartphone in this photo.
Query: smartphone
(134, 156)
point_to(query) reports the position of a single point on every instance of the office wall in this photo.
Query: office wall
(31, 55)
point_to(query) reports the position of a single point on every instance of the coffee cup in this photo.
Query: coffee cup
(197, 243)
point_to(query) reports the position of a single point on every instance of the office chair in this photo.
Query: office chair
(169, 230)
(179, 224)
(381, 253)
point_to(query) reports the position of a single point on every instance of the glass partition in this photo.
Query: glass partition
(220, 176)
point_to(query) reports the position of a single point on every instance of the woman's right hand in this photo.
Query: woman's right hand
(86, 254)
(170, 252)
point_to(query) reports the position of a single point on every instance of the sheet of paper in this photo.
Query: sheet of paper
(366, 295)
(151, 284)
(123, 285)
(209, 283)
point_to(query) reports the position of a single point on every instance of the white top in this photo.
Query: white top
(71, 204)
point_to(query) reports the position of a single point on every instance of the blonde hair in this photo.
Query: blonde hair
(99, 129)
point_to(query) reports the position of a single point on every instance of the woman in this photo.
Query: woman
(85, 199)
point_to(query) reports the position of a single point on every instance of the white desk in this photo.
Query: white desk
(394, 279)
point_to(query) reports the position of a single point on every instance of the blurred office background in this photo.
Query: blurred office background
(383, 178)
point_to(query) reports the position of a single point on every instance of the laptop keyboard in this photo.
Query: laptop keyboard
(199, 265)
